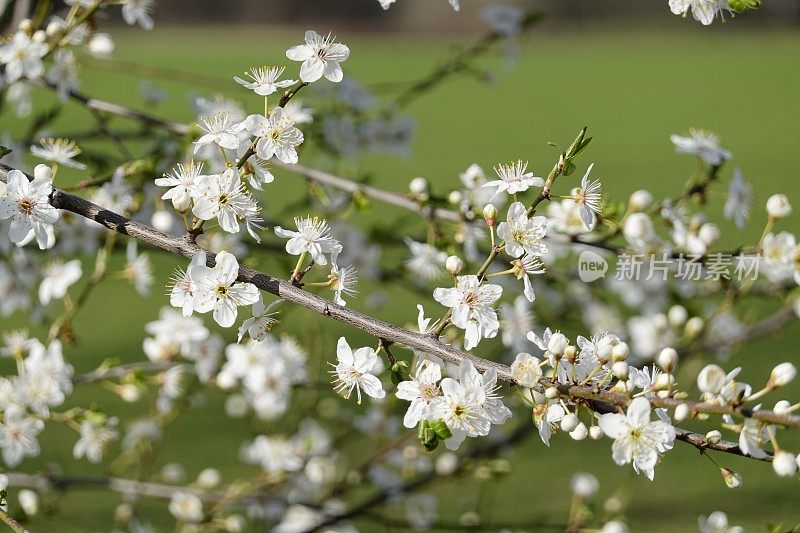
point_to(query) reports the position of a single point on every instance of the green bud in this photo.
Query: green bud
(741, 5)
(440, 429)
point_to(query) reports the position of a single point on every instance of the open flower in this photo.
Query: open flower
(343, 281)
(514, 178)
(185, 183)
(426, 261)
(703, 144)
(277, 135)
(58, 277)
(183, 287)
(313, 236)
(22, 57)
(321, 56)
(472, 308)
(703, 11)
(58, 151)
(421, 390)
(225, 199)
(588, 196)
(265, 80)
(219, 130)
(462, 409)
(522, 234)
(353, 371)
(218, 290)
(637, 439)
(260, 322)
(27, 204)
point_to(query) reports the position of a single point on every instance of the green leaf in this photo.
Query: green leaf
(741, 5)
(4, 151)
(441, 430)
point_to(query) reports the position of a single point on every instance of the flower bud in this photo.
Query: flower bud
(454, 265)
(162, 221)
(54, 28)
(455, 197)
(101, 45)
(569, 422)
(43, 172)
(615, 526)
(595, 433)
(39, 36)
(664, 382)
(571, 353)
(613, 505)
(681, 412)
(713, 436)
(234, 523)
(490, 214)
(620, 352)
(558, 344)
(638, 228)
(181, 202)
(26, 26)
(584, 485)
(782, 407)
(640, 199)
(677, 316)
(208, 478)
(667, 359)
(604, 353)
(784, 463)
(29, 501)
(778, 206)
(782, 375)
(551, 393)
(418, 186)
(580, 432)
(620, 370)
(694, 326)
(123, 514)
(709, 233)
(732, 479)
(129, 392)
(236, 406)
(711, 379)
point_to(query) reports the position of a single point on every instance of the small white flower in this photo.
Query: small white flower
(782, 375)
(514, 178)
(294, 112)
(185, 183)
(784, 463)
(186, 507)
(218, 290)
(93, 441)
(22, 57)
(254, 168)
(274, 454)
(717, 522)
(525, 267)
(138, 269)
(461, 408)
(220, 130)
(139, 12)
(27, 204)
(353, 371)
(703, 11)
(521, 234)
(321, 56)
(264, 80)
(421, 391)
(59, 151)
(343, 281)
(18, 435)
(225, 199)
(58, 277)
(278, 137)
(472, 310)
(753, 436)
(588, 197)
(260, 322)
(183, 287)
(637, 439)
(702, 144)
(740, 199)
(426, 261)
(313, 236)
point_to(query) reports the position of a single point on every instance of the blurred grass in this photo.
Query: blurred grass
(633, 88)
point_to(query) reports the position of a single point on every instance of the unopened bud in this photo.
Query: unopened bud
(782, 407)
(681, 412)
(39, 36)
(26, 26)
(569, 422)
(454, 265)
(604, 353)
(557, 344)
(782, 375)
(490, 214)
(620, 370)
(784, 463)
(713, 436)
(595, 433)
(551, 393)
(778, 206)
(455, 197)
(418, 186)
(667, 359)
(620, 351)
(677, 316)
(732, 479)
(640, 200)
(571, 353)
(580, 432)
(663, 382)
(694, 326)
(129, 392)
(43, 172)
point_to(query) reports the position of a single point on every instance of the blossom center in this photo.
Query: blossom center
(26, 206)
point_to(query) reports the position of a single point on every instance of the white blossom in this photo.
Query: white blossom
(225, 199)
(313, 236)
(220, 130)
(523, 235)
(321, 56)
(702, 144)
(421, 390)
(277, 136)
(58, 151)
(514, 178)
(353, 371)
(22, 57)
(471, 303)
(264, 80)
(27, 204)
(57, 279)
(139, 12)
(218, 290)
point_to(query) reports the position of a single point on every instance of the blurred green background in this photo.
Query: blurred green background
(632, 87)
